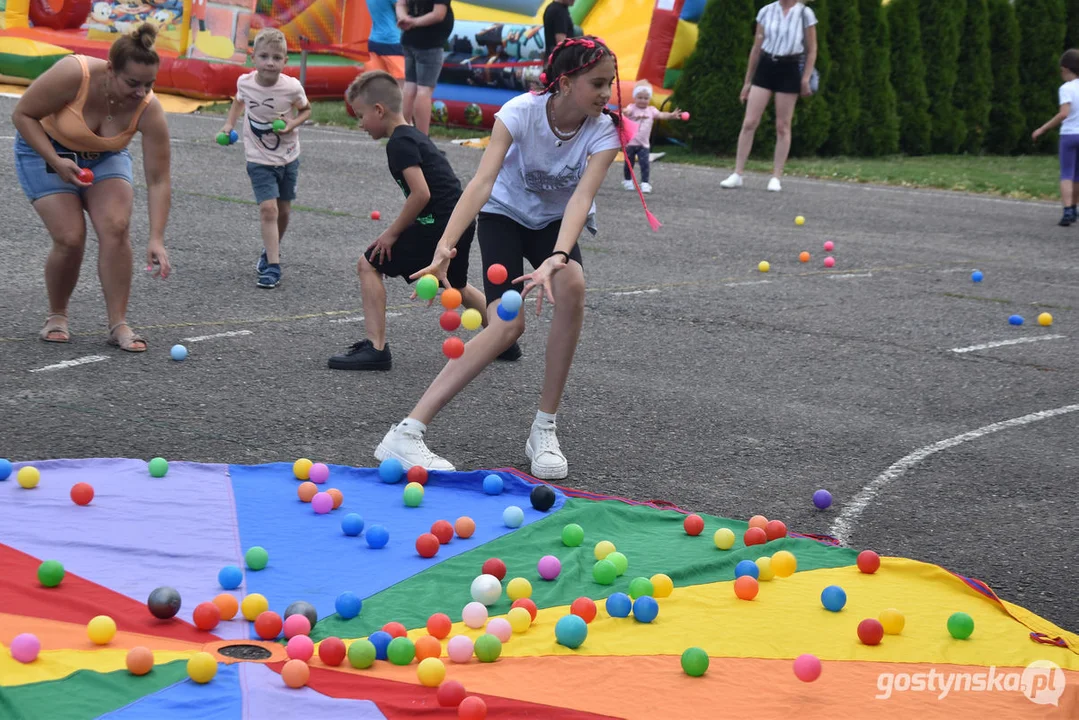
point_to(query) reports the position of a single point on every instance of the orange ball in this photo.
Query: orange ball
(268, 625)
(453, 348)
(206, 616)
(439, 625)
(464, 527)
(755, 536)
(775, 529)
(427, 545)
(583, 608)
(693, 525)
(82, 493)
(804, 256)
(395, 629)
(307, 490)
(140, 660)
(427, 647)
(337, 496)
(417, 474)
(451, 298)
(528, 605)
(228, 605)
(295, 673)
(758, 521)
(746, 587)
(442, 530)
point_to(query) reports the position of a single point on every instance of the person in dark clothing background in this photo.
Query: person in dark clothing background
(557, 24)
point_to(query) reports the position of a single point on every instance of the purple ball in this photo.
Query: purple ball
(25, 647)
(549, 567)
(322, 503)
(822, 499)
(319, 473)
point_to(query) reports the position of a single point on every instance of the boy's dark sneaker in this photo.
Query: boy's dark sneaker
(260, 266)
(362, 356)
(270, 277)
(1068, 218)
(513, 352)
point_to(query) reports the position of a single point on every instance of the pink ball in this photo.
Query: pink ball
(322, 503)
(474, 615)
(829, 246)
(549, 567)
(459, 648)
(25, 648)
(829, 262)
(319, 473)
(500, 628)
(300, 647)
(685, 116)
(297, 625)
(807, 668)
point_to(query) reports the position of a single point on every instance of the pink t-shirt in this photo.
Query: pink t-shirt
(644, 117)
(264, 105)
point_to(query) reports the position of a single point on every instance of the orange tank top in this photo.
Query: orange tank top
(68, 127)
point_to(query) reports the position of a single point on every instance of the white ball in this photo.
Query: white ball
(474, 615)
(486, 589)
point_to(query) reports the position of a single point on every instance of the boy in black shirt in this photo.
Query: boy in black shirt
(557, 24)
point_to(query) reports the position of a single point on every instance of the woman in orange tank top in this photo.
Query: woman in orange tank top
(73, 125)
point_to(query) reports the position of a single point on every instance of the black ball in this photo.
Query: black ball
(542, 497)
(302, 608)
(164, 603)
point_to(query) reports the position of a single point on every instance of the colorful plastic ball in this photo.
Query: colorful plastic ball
(868, 562)
(584, 608)
(472, 707)
(570, 631)
(5, 468)
(604, 572)
(833, 598)
(464, 527)
(278, 125)
(361, 654)
(451, 693)
(302, 469)
(747, 567)
(758, 521)
(518, 588)
(50, 573)
(799, 220)
(377, 537)
(755, 536)
(300, 647)
(724, 538)
(449, 320)
(140, 660)
(685, 115)
(442, 530)
(82, 493)
(620, 562)
(417, 474)
(268, 625)
(542, 498)
(306, 491)
(28, 477)
(695, 662)
(640, 587)
(207, 616)
(822, 499)
(662, 585)
(505, 314)
(764, 569)
(764, 266)
(306, 609)
(230, 577)
(784, 563)
(870, 631)
(519, 619)
(352, 524)
(164, 603)
(572, 535)
(101, 630)
(332, 651)
(381, 640)
(807, 668)
(322, 503)
(549, 567)
(459, 649)
(693, 525)
(295, 672)
(497, 274)
(1015, 320)
(603, 549)
(527, 604)
(439, 625)
(296, 624)
(829, 262)
(413, 495)
(619, 605)
(451, 298)
(500, 628)
(376, 215)
(803, 256)
(492, 484)
(775, 529)
(471, 319)
(746, 587)
(254, 605)
(319, 473)
(829, 246)
(427, 647)
(178, 353)
(348, 605)
(431, 672)
(401, 651)
(960, 625)
(488, 648)
(256, 558)
(892, 621)
(977, 276)
(158, 467)
(227, 604)
(474, 615)
(427, 545)
(486, 589)
(453, 347)
(512, 301)
(390, 470)
(494, 566)
(25, 647)
(513, 516)
(645, 609)
(427, 287)
(1045, 319)
(202, 667)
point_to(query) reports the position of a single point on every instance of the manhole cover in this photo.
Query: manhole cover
(245, 652)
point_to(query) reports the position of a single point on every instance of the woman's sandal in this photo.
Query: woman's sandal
(55, 331)
(131, 342)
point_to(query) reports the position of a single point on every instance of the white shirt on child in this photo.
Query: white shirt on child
(1069, 93)
(264, 105)
(541, 172)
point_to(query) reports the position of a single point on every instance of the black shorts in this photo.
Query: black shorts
(779, 74)
(504, 241)
(415, 249)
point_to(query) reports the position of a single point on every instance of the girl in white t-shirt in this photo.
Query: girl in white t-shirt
(548, 155)
(1068, 119)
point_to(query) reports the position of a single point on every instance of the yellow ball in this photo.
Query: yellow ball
(799, 220)
(518, 588)
(520, 619)
(101, 630)
(302, 469)
(431, 671)
(764, 266)
(764, 567)
(662, 586)
(603, 549)
(1045, 319)
(28, 476)
(893, 621)
(724, 538)
(471, 319)
(202, 667)
(417, 486)
(784, 563)
(254, 605)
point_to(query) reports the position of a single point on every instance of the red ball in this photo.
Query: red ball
(442, 530)
(449, 321)
(453, 348)
(497, 274)
(82, 493)
(870, 631)
(755, 536)
(427, 545)
(206, 616)
(332, 651)
(395, 629)
(868, 562)
(268, 625)
(495, 567)
(775, 529)
(583, 608)
(439, 625)
(376, 215)
(472, 708)
(86, 175)
(528, 605)
(694, 525)
(417, 474)
(451, 693)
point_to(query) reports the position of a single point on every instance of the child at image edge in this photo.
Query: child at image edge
(639, 148)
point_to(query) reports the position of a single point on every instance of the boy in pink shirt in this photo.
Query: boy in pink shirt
(644, 114)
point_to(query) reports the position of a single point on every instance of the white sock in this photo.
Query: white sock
(545, 419)
(414, 424)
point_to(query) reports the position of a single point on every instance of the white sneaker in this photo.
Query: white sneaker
(407, 445)
(773, 185)
(548, 462)
(646, 187)
(627, 184)
(734, 181)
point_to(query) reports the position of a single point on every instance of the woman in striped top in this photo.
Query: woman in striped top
(785, 30)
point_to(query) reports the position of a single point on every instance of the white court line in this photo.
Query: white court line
(71, 363)
(359, 318)
(1002, 343)
(844, 524)
(851, 275)
(230, 333)
(637, 292)
(751, 282)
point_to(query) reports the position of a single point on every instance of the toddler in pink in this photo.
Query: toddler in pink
(639, 148)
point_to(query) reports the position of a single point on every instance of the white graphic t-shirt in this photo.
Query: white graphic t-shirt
(541, 172)
(264, 105)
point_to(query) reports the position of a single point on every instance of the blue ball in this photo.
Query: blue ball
(645, 609)
(348, 605)
(391, 470)
(571, 630)
(233, 136)
(747, 567)
(352, 524)
(377, 537)
(822, 499)
(511, 300)
(833, 598)
(1016, 320)
(178, 352)
(513, 516)
(381, 640)
(976, 276)
(492, 484)
(230, 577)
(5, 468)
(619, 604)
(505, 313)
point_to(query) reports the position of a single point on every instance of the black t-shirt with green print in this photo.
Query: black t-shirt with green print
(408, 147)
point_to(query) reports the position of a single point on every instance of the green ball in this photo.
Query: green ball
(222, 138)
(488, 648)
(278, 125)
(572, 535)
(413, 496)
(256, 558)
(695, 662)
(620, 562)
(401, 651)
(960, 625)
(640, 586)
(427, 287)
(158, 467)
(604, 572)
(50, 573)
(361, 654)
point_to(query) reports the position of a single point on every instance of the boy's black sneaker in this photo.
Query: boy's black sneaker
(362, 356)
(1068, 218)
(513, 352)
